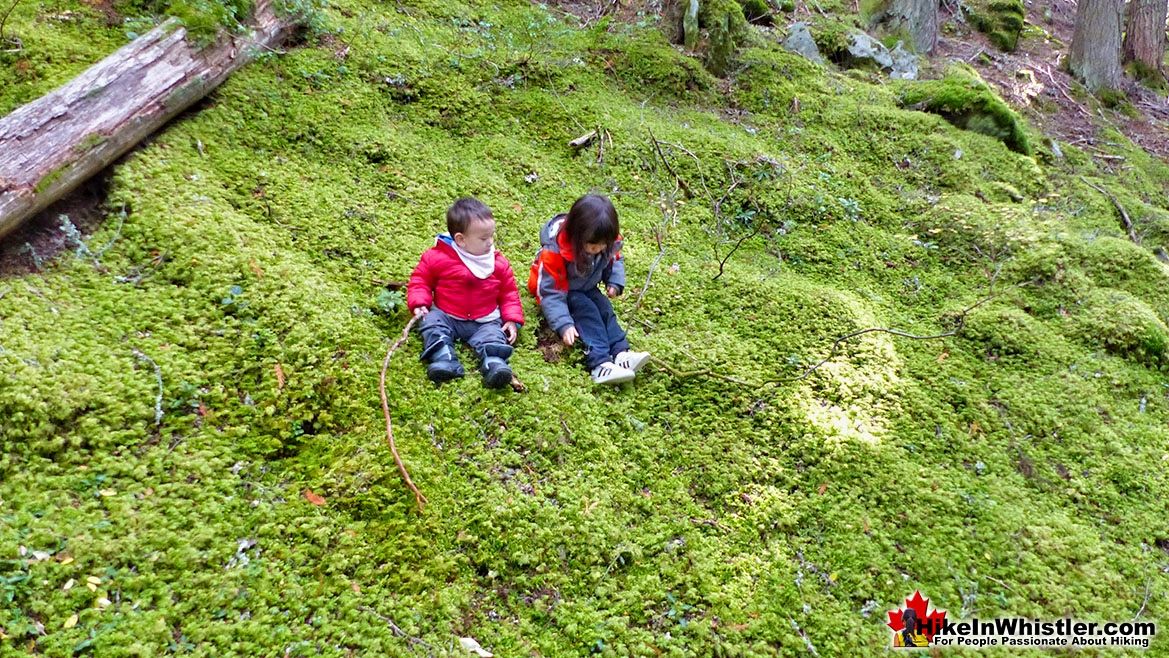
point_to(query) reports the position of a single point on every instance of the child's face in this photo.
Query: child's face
(594, 248)
(478, 238)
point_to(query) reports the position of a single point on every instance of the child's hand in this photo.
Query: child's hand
(510, 332)
(569, 336)
(612, 291)
(421, 311)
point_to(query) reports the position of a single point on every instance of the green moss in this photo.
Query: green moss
(1123, 325)
(681, 515)
(647, 64)
(967, 102)
(726, 29)
(1001, 20)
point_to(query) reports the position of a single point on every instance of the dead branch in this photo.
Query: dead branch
(1124, 218)
(4, 20)
(659, 234)
(141, 356)
(704, 372)
(419, 499)
(807, 640)
(395, 628)
(657, 147)
(583, 141)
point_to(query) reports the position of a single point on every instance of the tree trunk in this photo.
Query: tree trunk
(1095, 56)
(917, 18)
(55, 143)
(1144, 34)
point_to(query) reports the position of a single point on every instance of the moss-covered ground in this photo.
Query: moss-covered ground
(169, 394)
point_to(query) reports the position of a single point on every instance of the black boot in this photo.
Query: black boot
(444, 363)
(496, 373)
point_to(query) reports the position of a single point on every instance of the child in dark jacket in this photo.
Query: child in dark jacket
(463, 288)
(578, 251)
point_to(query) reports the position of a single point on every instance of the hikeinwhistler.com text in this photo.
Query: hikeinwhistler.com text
(1039, 633)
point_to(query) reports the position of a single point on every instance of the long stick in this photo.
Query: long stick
(418, 497)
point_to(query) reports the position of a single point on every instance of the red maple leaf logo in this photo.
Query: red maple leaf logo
(929, 621)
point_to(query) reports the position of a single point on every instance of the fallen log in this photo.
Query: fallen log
(53, 144)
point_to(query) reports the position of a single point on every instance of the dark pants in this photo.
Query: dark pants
(597, 325)
(486, 338)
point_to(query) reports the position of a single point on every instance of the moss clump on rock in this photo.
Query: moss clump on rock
(647, 64)
(967, 102)
(726, 29)
(1123, 325)
(1000, 20)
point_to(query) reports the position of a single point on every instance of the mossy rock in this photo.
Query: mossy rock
(1007, 332)
(647, 63)
(757, 12)
(726, 29)
(1113, 262)
(1000, 20)
(1123, 325)
(967, 102)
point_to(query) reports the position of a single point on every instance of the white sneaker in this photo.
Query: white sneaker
(611, 373)
(631, 360)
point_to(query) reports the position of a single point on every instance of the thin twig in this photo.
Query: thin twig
(1144, 603)
(698, 162)
(658, 148)
(419, 499)
(1132, 234)
(395, 628)
(653, 266)
(704, 372)
(157, 375)
(4, 19)
(807, 641)
(723, 263)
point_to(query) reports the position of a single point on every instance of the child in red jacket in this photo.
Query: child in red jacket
(463, 288)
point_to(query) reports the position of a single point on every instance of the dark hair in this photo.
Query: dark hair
(464, 211)
(591, 219)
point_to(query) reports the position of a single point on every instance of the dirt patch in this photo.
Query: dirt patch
(33, 246)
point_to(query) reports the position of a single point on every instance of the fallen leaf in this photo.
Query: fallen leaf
(943, 356)
(70, 622)
(91, 586)
(313, 498)
(469, 644)
(103, 602)
(356, 588)
(93, 580)
(279, 377)
(256, 268)
(65, 559)
(108, 492)
(823, 488)
(68, 585)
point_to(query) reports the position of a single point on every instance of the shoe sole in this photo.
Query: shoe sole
(441, 376)
(618, 379)
(499, 379)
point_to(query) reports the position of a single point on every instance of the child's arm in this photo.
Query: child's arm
(549, 282)
(511, 311)
(510, 307)
(614, 274)
(420, 288)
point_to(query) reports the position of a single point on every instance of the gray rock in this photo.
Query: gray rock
(799, 40)
(900, 63)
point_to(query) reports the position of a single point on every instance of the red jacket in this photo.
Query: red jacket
(443, 280)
